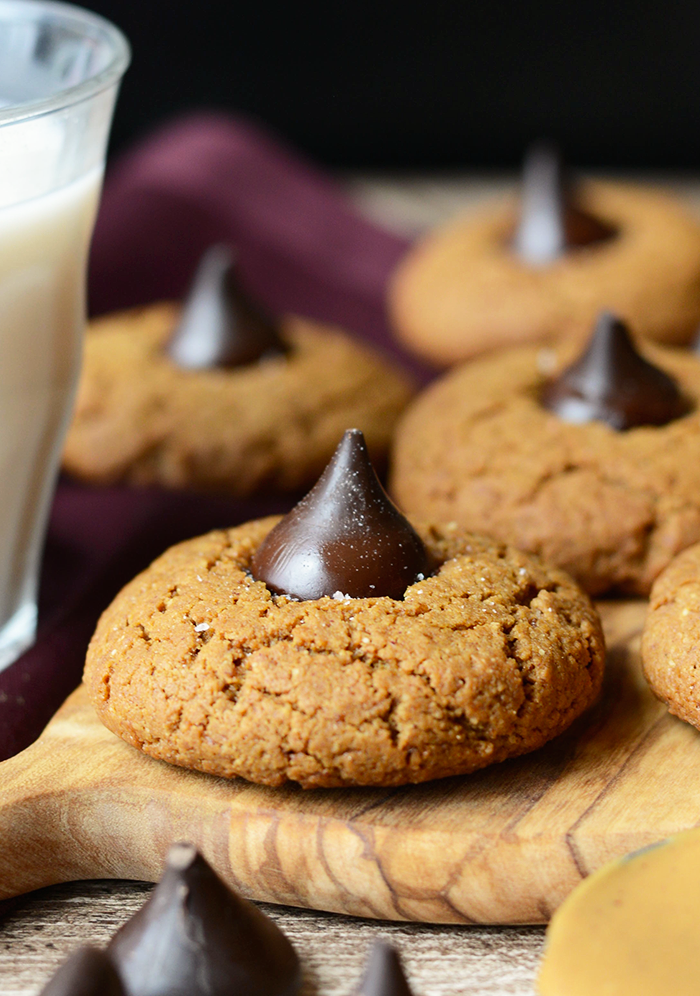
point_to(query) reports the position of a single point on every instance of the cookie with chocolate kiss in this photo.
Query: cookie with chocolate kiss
(344, 645)
(195, 937)
(585, 458)
(540, 267)
(215, 395)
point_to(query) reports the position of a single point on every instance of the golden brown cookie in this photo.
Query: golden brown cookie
(197, 664)
(671, 638)
(269, 425)
(612, 508)
(462, 290)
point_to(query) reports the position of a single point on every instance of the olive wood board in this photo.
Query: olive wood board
(504, 845)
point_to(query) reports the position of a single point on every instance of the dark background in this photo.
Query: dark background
(441, 84)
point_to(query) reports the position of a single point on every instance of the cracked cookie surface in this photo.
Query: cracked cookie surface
(611, 508)
(671, 637)
(197, 664)
(269, 425)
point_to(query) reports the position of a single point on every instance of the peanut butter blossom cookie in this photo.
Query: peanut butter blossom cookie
(672, 636)
(594, 466)
(542, 270)
(341, 646)
(215, 395)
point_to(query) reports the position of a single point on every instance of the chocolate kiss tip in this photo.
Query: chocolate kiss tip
(383, 975)
(346, 537)
(549, 222)
(88, 972)
(611, 382)
(219, 325)
(195, 937)
(181, 856)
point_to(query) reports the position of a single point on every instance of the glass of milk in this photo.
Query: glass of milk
(60, 68)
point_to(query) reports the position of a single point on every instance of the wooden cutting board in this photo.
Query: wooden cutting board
(505, 845)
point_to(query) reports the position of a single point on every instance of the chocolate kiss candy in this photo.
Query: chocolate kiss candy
(549, 223)
(383, 974)
(611, 382)
(346, 536)
(88, 972)
(194, 937)
(219, 325)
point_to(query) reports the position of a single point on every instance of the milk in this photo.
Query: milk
(43, 252)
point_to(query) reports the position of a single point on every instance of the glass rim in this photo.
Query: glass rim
(112, 72)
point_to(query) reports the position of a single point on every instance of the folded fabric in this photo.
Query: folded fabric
(303, 248)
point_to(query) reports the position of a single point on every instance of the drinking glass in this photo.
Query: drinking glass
(60, 68)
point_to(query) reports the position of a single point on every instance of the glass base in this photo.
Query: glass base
(17, 635)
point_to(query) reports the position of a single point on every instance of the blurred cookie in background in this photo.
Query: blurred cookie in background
(215, 395)
(592, 464)
(540, 269)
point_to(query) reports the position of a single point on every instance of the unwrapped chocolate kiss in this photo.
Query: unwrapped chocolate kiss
(195, 937)
(345, 538)
(383, 975)
(88, 972)
(611, 382)
(219, 325)
(550, 223)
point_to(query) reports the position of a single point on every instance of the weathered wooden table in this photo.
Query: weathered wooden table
(39, 930)
(45, 926)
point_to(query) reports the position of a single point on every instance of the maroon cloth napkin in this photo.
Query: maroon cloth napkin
(303, 248)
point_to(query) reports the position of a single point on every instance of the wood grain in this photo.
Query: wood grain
(503, 846)
(40, 929)
(43, 928)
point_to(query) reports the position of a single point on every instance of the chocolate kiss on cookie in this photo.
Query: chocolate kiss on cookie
(195, 937)
(346, 537)
(88, 972)
(219, 325)
(611, 382)
(550, 223)
(383, 975)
